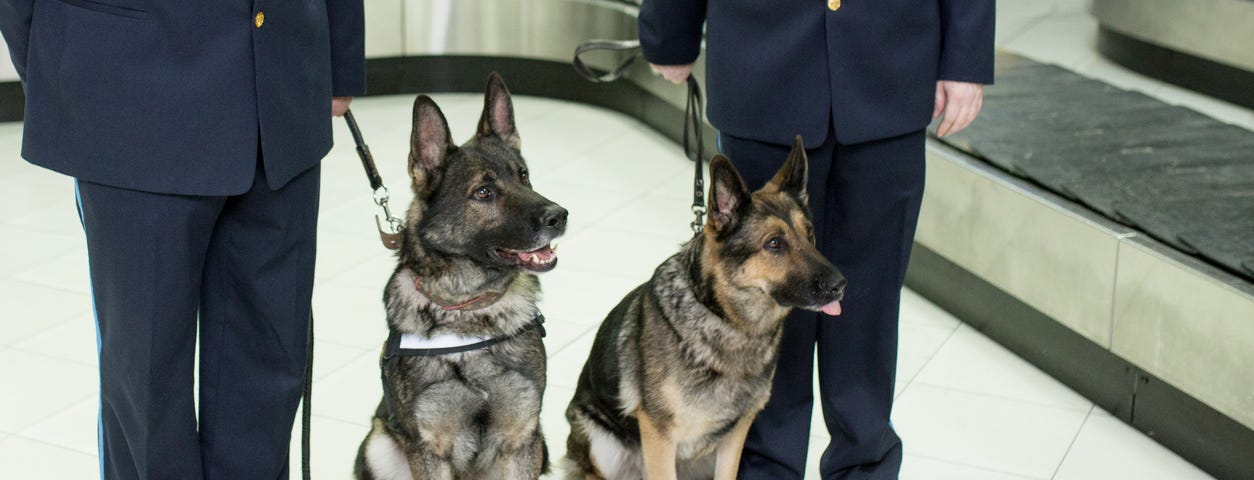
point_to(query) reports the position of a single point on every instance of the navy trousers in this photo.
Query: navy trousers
(865, 200)
(244, 266)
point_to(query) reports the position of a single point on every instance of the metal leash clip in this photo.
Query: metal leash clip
(392, 236)
(699, 221)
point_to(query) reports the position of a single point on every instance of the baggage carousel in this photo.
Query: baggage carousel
(1203, 45)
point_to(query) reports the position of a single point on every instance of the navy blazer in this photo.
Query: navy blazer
(177, 96)
(777, 68)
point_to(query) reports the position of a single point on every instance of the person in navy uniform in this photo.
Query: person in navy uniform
(194, 131)
(860, 80)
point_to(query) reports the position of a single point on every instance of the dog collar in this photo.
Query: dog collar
(482, 300)
(414, 345)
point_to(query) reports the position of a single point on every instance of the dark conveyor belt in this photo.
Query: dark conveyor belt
(1175, 174)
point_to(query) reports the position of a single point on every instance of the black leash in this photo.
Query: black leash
(693, 112)
(392, 237)
(306, 403)
(391, 240)
(692, 122)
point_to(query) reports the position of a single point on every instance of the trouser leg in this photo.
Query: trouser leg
(146, 252)
(254, 327)
(873, 197)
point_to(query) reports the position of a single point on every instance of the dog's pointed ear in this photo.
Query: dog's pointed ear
(793, 176)
(728, 195)
(498, 113)
(429, 144)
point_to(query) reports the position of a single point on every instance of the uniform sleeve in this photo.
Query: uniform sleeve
(348, 47)
(15, 26)
(670, 30)
(967, 40)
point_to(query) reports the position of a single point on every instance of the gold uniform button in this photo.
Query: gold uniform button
(833, 5)
(260, 18)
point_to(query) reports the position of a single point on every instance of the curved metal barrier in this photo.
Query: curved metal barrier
(542, 30)
(1203, 45)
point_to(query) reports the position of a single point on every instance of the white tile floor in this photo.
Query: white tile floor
(966, 408)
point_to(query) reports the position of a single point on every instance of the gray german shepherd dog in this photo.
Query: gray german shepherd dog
(681, 366)
(474, 234)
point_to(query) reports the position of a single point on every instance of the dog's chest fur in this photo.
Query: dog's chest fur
(690, 366)
(463, 402)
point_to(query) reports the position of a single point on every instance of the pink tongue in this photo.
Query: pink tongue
(832, 309)
(544, 253)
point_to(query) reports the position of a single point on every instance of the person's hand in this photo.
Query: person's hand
(677, 74)
(959, 103)
(339, 105)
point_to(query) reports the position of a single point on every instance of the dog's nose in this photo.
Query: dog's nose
(554, 217)
(833, 285)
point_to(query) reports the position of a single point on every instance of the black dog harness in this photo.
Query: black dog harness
(395, 344)
(393, 350)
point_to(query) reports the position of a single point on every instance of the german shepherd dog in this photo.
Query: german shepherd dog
(474, 234)
(680, 368)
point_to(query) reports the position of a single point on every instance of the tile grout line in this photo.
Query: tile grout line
(571, 343)
(338, 420)
(1009, 399)
(343, 366)
(50, 287)
(931, 357)
(1072, 444)
(14, 344)
(53, 445)
(977, 467)
(26, 351)
(1036, 22)
(50, 416)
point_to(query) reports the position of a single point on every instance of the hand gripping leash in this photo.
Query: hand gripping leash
(694, 111)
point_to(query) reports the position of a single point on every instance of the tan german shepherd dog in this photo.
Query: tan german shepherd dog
(682, 365)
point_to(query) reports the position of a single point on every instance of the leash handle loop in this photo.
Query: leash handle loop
(363, 151)
(630, 46)
(694, 112)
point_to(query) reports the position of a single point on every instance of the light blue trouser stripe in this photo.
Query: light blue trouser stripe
(78, 196)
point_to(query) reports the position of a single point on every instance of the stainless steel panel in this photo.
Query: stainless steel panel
(1219, 30)
(536, 29)
(1188, 324)
(539, 29)
(1059, 261)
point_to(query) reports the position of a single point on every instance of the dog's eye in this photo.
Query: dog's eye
(484, 193)
(774, 244)
(524, 176)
